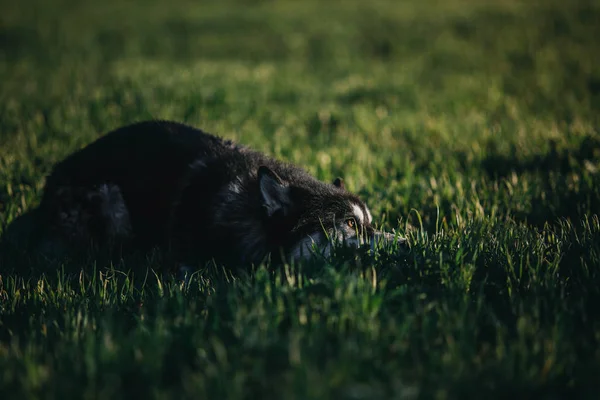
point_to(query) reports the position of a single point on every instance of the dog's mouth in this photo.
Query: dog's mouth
(387, 238)
(377, 240)
(320, 244)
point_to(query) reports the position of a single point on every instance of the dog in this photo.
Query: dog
(168, 185)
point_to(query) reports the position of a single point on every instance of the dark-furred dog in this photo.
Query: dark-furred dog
(165, 184)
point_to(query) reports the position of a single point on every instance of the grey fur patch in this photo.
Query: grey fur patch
(114, 210)
(104, 203)
(235, 187)
(306, 247)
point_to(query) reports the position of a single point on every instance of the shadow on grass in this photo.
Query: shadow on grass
(563, 184)
(559, 161)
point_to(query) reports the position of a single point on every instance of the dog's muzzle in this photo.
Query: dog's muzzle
(387, 239)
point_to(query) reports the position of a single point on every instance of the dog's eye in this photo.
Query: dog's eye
(351, 223)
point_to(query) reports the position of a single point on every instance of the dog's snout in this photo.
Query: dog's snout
(387, 238)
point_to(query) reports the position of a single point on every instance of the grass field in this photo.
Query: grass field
(471, 126)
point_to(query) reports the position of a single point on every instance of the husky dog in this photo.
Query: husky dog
(165, 184)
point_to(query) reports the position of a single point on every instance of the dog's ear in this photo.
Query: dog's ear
(275, 195)
(339, 182)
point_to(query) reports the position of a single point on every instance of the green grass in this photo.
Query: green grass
(471, 126)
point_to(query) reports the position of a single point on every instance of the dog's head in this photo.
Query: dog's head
(307, 216)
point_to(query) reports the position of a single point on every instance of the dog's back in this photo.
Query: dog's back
(141, 165)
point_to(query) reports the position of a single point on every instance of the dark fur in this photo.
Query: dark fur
(176, 182)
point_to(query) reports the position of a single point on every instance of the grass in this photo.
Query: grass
(470, 126)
